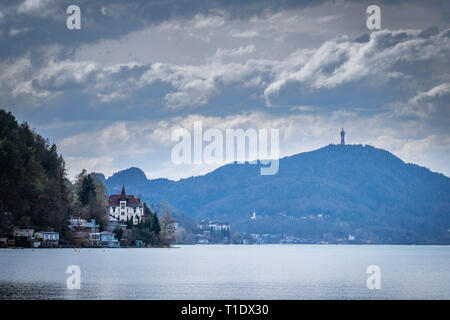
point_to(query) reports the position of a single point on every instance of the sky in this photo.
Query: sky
(110, 94)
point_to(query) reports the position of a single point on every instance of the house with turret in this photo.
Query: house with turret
(125, 207)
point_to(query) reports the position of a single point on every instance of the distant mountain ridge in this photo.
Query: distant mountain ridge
(357, 189)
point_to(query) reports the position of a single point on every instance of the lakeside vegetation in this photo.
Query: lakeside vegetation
(35, 192)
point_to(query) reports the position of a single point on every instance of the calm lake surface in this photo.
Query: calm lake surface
(228, 272)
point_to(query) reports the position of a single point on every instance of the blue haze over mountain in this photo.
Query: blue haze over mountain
(325, 195)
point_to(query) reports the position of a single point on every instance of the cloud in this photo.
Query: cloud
(341, 61)
(143, 69)
(195, 85)
(138, 141)
(237, 52)
(64, 75)
(210, 21)
(438, 91)
(431, 151)
(148, 142)
(326, 19)
(32, 6)
(104, 164)
(388, 57)
(245, 34)
(429, 104)
(14, 32)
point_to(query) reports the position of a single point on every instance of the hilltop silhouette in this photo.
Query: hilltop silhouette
(331, 192)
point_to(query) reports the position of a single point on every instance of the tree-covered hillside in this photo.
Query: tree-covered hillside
(354, 189)
(34, 191)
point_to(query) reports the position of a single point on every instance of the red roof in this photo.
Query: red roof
(132, 201)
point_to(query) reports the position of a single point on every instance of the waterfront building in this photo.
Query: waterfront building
(94, 239)
(203, 225)
(125, 207)
(220, 226)
(108, 239)
(82, 224)
(24, 238)
(47, 238)
(114, 223)
(214, 225)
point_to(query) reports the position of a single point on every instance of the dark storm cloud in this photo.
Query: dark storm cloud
(42, 22)
(27, 25)
(138, 69)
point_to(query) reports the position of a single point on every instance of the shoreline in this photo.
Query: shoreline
(178, 246)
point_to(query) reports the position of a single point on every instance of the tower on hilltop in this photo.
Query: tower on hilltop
(342, 137)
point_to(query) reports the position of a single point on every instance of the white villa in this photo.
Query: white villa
(214, 225)
(125, 207)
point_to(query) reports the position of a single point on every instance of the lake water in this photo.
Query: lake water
(228, 272)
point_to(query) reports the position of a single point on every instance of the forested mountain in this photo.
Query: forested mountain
(34, 191)
(327, 193)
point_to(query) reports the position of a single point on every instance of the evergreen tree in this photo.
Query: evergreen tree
(119, 233)
(34, 189)
(90, 202)
(87, 191)
(129, 223)
(156, 227)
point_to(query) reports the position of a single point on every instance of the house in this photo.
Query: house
(125, 207)
(113, 223)
(24, 238)
(108, 239)
(75, 223)
(214, 225)
(81, 224)
(220, 226)
(3, 242)
(91, 225)
(82, 230)
(203, 225)
(47, 238)
(94, 239)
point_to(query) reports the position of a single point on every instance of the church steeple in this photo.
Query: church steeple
(342, 137)
(123, 191)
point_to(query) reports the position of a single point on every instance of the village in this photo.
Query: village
(122, 212)
(131, 224)
(125, 210)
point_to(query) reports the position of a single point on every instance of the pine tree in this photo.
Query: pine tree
(87, 191)
(156, 227)
(34, 189)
